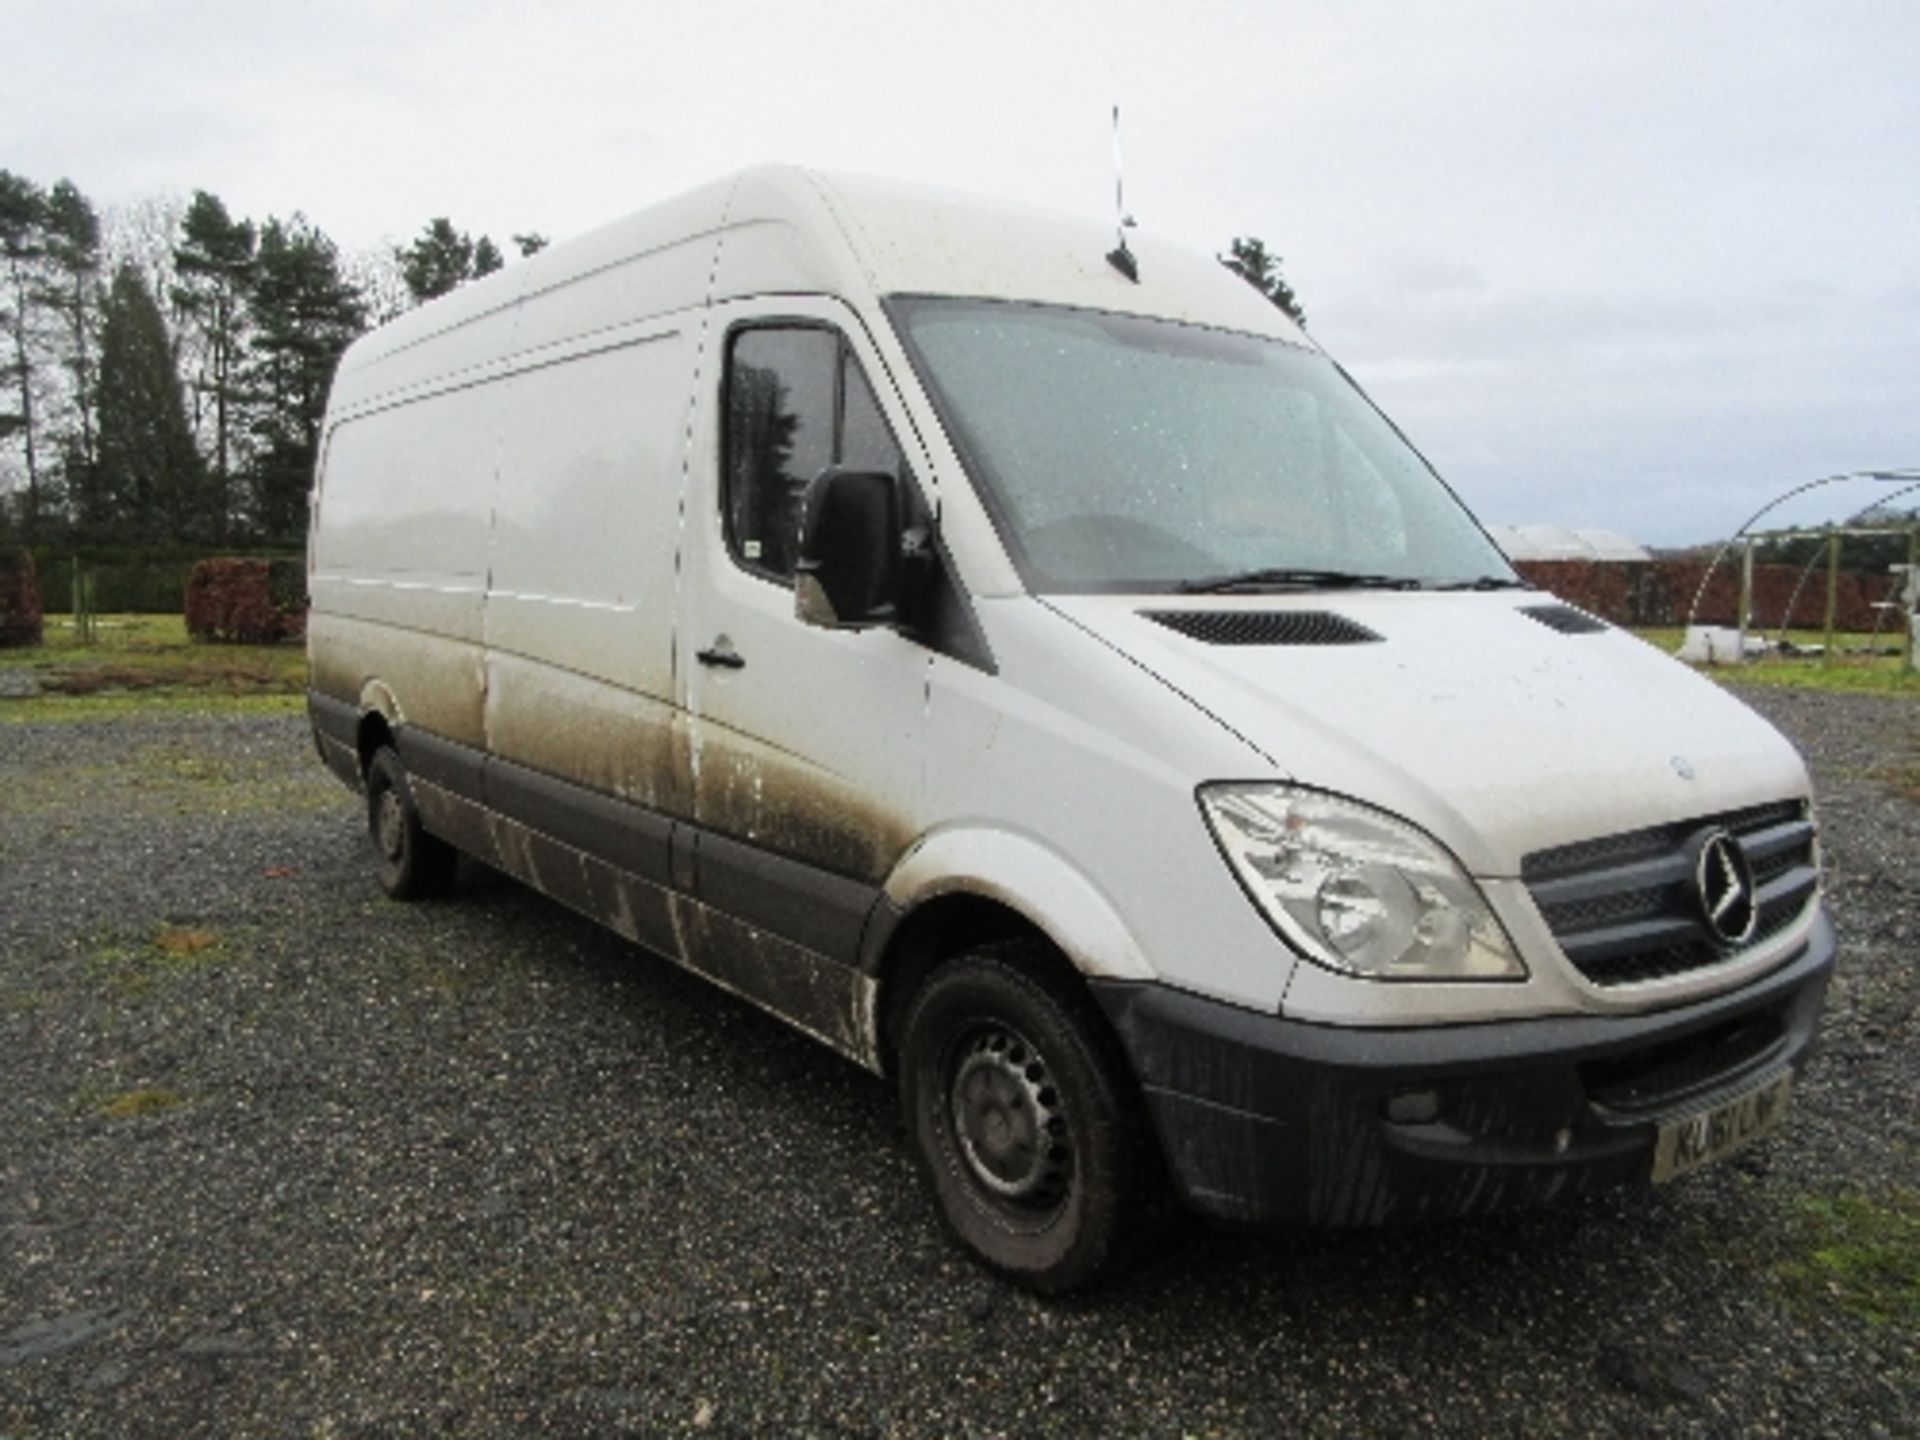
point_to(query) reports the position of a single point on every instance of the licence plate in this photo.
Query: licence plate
(1693, 1140)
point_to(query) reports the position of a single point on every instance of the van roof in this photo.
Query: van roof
(918, 240)
(782, 229)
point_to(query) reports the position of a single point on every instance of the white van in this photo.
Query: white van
(1040, 674)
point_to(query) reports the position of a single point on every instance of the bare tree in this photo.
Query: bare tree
(377, 275)
(143, 233)
(22, 244)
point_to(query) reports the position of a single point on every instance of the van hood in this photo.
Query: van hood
(1502, 723)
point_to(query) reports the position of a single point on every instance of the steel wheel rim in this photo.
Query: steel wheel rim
(1009, 1120)
(390, 825)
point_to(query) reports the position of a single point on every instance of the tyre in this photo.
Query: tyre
(413, 864)
(1018, 1109)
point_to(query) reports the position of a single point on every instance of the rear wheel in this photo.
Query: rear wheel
(413, 864)
(1019, 1114)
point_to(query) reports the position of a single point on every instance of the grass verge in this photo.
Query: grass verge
(144, 662)
(43, 708)
(1851, 669)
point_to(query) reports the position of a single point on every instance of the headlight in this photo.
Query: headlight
(1355, 889)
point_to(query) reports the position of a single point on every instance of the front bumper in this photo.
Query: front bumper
(1264, 1119)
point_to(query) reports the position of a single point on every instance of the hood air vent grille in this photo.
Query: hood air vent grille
(1263, 627)
(1564, 618)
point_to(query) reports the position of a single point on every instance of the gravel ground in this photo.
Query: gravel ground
(279, 1157)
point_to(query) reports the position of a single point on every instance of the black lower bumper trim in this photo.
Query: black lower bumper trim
(1265, 1119)
(336, 727)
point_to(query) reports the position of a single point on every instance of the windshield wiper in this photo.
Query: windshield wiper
(1283, 578)
(1484, 582)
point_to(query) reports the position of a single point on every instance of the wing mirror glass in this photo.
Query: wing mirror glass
(848, 575)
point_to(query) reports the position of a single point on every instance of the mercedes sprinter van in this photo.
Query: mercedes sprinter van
(1035, 670)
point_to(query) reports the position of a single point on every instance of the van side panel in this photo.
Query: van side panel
(400, 559)
(397, 504)
(579, 623)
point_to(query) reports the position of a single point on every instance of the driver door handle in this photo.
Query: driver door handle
(722, 654)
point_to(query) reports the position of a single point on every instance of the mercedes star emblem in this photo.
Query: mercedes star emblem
(1725, 883)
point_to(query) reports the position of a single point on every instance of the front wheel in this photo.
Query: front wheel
(1018, 1112)
(413, 864)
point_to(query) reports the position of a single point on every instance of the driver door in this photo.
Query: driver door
(805, 744)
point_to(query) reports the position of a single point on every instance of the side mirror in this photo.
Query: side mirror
(847, 576)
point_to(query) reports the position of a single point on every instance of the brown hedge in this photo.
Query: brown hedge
(254, 602)
(20, 620)
(1660, 592)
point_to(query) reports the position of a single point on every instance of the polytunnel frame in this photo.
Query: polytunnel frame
(1908, 478)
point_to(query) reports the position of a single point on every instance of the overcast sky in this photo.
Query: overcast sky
(1634, 265)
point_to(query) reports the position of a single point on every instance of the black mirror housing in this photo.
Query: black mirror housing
(848, 574)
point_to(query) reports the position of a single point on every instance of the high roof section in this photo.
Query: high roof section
(903, 239)
(782, 230)
(653, 261)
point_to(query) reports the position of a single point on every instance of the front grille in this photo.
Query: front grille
(1626, 908)
(1264, 627)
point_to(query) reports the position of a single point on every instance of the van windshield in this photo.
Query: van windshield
(1124, 454)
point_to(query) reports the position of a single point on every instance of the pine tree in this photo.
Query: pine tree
(436, 262)
(215, 262)
(305, 312)
(443, 257)
(147, 480)
(1248, 258)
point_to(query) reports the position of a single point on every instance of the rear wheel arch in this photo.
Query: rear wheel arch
(374, 734)
(380, 721)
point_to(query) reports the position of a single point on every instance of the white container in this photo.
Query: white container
(1716, 645)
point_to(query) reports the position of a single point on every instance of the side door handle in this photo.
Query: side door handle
(721, 654)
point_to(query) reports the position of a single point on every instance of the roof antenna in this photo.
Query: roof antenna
(1120, 257)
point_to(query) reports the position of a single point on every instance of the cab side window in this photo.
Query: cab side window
(797, 402)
